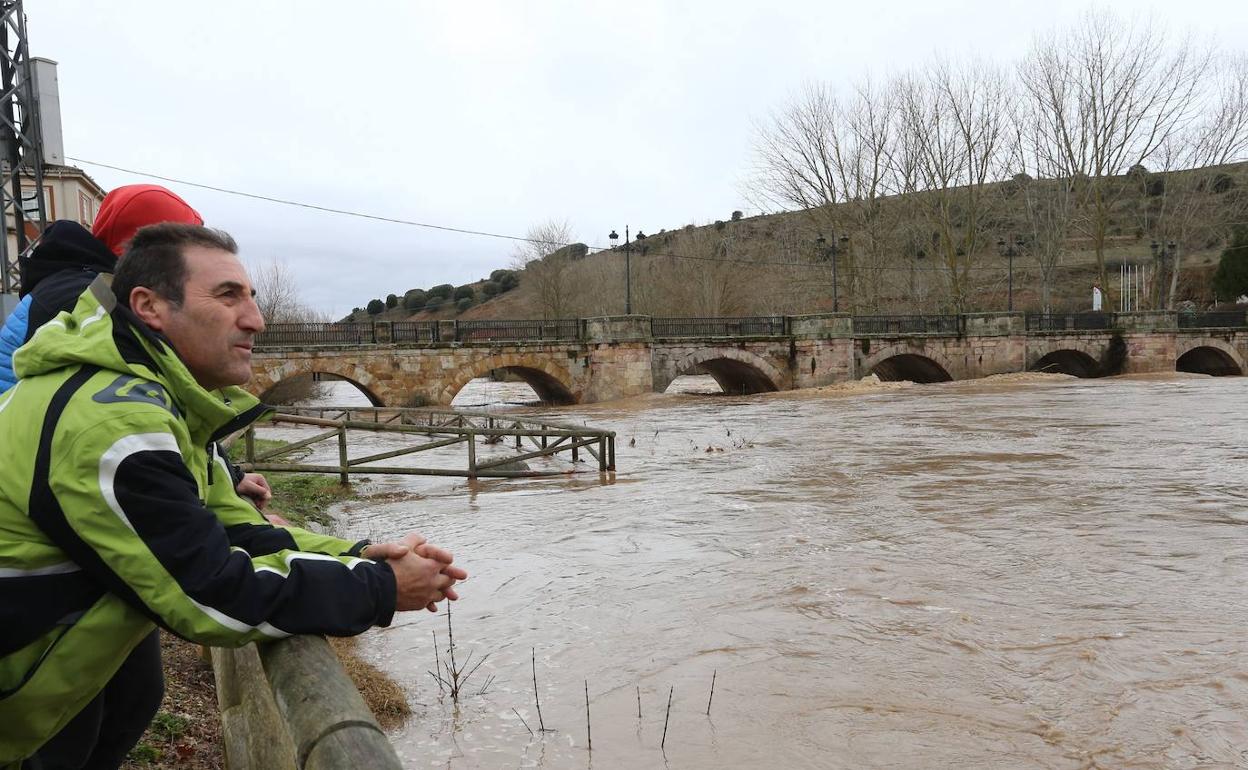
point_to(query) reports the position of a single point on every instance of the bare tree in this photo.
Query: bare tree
(1107, 95)
(277, 294)
(828, 158)
(709, 279)
(1197, 201)
(796, 167)
(546, 256)
(1048, 199)
(953, 144)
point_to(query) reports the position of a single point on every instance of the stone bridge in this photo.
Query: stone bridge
(619, 357)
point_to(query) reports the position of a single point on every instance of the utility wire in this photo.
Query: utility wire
(522, 239)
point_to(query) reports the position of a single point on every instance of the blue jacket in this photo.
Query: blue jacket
(57, 271)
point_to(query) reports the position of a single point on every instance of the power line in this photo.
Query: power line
(300, 204)
(518, 238)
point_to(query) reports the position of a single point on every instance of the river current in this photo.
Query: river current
(1022, 572)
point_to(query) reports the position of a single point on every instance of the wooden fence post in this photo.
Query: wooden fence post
(344, 473)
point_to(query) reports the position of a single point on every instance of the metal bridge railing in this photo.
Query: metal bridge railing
(427, 332)
(1062, 322)
(554, 329)
(758, 326)
(907, 324)
(414, 331)
(1215, 319)
(276, 335)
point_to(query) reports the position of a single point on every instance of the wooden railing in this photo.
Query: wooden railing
(289, 704)
(438, 428)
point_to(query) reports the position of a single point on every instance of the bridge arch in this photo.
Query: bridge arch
(737, 371)
(1075, 356)
(1208, 356)
(902, 362)
(548, 381)
(1067, 361)
(271, 378)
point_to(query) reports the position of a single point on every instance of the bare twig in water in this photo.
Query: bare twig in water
(712, 695)
(668, 716)
(526, 724)
(489, 680)
(639, 703)
(589, 733)
(540, 724)
(450, 632)
(437, 662)
(452, 676)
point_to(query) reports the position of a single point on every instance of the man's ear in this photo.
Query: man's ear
(148, 306)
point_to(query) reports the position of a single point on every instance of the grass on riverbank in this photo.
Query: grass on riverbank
(300, 498)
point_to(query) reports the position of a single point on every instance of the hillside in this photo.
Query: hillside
(892, 260)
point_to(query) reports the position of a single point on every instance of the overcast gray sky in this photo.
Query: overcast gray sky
(481, 115)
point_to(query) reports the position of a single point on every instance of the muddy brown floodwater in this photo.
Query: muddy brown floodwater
(1030, 572)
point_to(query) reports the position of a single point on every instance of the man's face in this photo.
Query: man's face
(215, 326)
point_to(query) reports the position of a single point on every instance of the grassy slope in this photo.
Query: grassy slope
(770, 235)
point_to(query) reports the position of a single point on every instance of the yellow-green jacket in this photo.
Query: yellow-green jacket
(116, 514)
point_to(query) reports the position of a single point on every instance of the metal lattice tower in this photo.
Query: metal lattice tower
(21, 151)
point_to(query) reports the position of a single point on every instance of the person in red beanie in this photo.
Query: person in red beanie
(128, 208)
(59, 269)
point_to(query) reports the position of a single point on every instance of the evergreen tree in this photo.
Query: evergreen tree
(375, 306)
(1230, 282)
(414, 299)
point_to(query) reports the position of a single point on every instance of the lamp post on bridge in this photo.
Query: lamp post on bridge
(1161, 255)
(628, 265)
(830, 249)
(1010, 249)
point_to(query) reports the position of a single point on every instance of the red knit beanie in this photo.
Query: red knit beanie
(128, 208)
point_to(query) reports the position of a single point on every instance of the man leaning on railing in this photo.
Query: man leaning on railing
(117, 515)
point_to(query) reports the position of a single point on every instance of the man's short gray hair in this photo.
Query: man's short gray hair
(155, 259)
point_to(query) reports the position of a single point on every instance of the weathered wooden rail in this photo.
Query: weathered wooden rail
(290, 705)
(442, 428)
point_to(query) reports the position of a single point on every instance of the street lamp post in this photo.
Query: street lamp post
(1010, 249)
(628, 269)
(830, 250)
(1162, 254)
